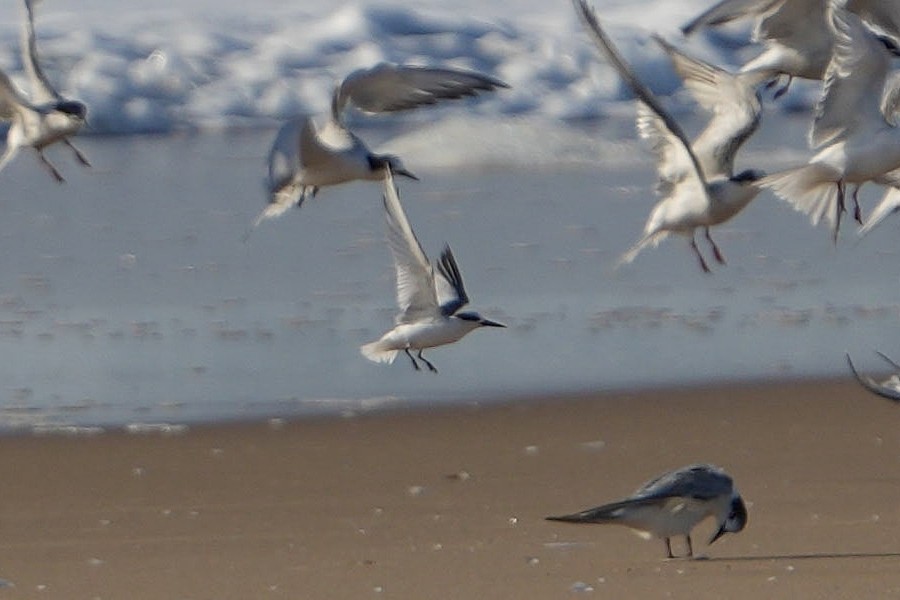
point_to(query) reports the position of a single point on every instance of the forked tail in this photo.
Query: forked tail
(379, 352)
(810, 189)
(651, 239)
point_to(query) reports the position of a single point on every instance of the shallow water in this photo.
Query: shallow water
(130, 296)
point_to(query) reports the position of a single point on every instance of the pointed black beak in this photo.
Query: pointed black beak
(488, 323)
(718, 534)
(405, 173)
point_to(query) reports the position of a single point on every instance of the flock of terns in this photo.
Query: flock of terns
(848, 44)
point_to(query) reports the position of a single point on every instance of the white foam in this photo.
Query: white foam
(164, 67)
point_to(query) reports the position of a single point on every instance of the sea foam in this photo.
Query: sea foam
(162, 68)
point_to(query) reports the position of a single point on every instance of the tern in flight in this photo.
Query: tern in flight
(673, 504)
(45, 117)
(309, 152)
(854, 131)
(430, 298)
(696, 181)
(796, 34)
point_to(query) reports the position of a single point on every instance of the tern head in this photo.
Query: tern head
(748, 176)
(72, 108)
(736, 519)
(477, 320)
(378, 162)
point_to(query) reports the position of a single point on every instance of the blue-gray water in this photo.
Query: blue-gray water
(128, 294)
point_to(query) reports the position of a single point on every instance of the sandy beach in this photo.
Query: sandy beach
(450, 503)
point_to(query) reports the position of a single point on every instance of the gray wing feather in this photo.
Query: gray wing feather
(640, 90)
(694, 481)
(698, 481)
(388, 88)
(11, 99)
(734, 105)
(727, 11)
(41, 89)
(416, 293)
(451, 291)
(857, 68)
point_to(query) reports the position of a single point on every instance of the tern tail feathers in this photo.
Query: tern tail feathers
(810, 189)
(379, 352)
(651, 239)
(614, 511)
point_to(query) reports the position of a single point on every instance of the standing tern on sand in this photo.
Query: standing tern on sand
(696, 181)
(853, 128)
(889, 388)
(309, 152)
(673, 504)
(45, 117)
(430, 299)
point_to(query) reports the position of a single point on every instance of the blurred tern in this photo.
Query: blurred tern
(429, 301)
(43, 119)
(853, 128)
(310, 153)
(673, 504)
(889, 388)
(795, 33)
(696, 181)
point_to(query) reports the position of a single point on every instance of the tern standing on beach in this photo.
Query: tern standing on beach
(673, 504)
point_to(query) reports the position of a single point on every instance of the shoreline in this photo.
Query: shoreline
(392, 406)
(451, 503)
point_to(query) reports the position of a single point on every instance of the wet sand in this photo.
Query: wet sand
(450, 503)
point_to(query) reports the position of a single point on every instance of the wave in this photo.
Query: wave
(178, 71)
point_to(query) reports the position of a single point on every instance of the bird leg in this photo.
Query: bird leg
(690, 546)
(56, 175)
(857, 213)
(427, 362)
(696, 250)
(840, 210)
(415, 364)
(78, 154)
(715, 249)
(669, 549)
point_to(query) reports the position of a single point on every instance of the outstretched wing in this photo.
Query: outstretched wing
(852, 94)
(640, 90)
(733, 103)
(416, 294)
(11, 99)
(879, 389)
(727, 11)
(451, 292)
(41, 90)
(388, 88)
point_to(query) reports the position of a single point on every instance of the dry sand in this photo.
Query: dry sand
(450, 503)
